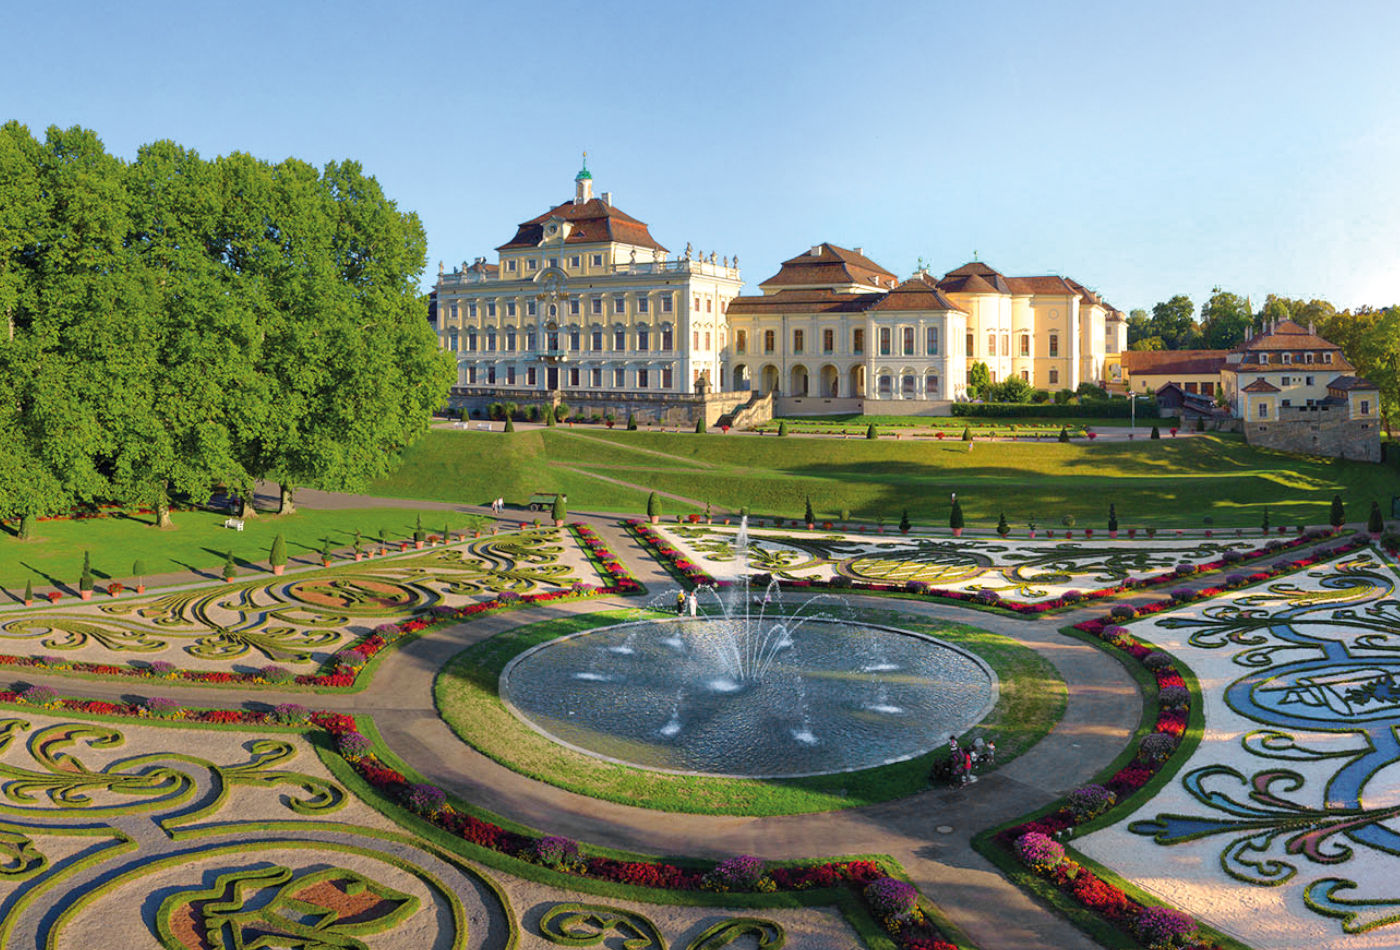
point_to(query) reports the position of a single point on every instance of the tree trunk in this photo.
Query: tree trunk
(286, 506)
(245, 506)
(163, 507)
(26, 526)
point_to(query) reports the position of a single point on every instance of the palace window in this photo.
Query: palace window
(530, 378)
(510, 266)
(931, 341)
(573, 375)
(471, 309)
(573, 307)
(931, 385)
(858, 340)
(906, 386)
(770, 341)
(1055, 377)
(531, 264)
(597, 339)
(707, 341)
(643, 304)
(574, 261)
(991, 344)
(666, 377)
(510, 339)
(643, 337)
(885, 341)
(1054, 344)
(886, 386)
(619, 339)
(452, 340)
(1006, 344)
(1208, 388)
(595, 306)
(1263, 410)
(491, 375)
(619, 378)
(798, 340)
(491, 309)
(510, 375)
(471, 339)
(1287, 358)
(909, 342)
(1025, 376)
(828, 340)
(554, 262)
(573, 338)
(619, 304)
(491, 339)
(597, 260)
(643, 378)
(1263, 359)
(530, 339)
(471, 375)
(530, 309)
(709, 305)
(1365, 407)
(595, 378)
(1025, 344)
(695, 339)
(667, 305)
(741, 341)
(970, 345)
(667, 339)
(1310, 380)
(454, 310)
(696, 308)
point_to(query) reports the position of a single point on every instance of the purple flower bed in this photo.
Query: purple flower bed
(1039, 852)
(1164, 927)
(891, 897)
(1091, 801)
(739, 873)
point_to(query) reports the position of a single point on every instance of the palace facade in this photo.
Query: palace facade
(583, 305)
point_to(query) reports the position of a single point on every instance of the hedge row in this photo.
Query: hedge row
(1103, 409)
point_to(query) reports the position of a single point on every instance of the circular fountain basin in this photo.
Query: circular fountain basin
(671, 695)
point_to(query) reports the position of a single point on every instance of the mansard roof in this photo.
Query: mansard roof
(593, 222)
(832, 266)
(974, 277)
(919, 292)
(803, 301)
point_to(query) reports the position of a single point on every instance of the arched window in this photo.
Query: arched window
(885, 386)
(667, 338)
(573, 338)
(741, 342)
(907, 386)
(491, 339)
(619, 337)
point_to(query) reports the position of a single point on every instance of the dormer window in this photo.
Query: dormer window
(1326, 357)
(1287, 358)
(1263, 359)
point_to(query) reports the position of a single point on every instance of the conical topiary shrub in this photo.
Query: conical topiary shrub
(904, 523)
(808, 516)
(1156, 432)
(1338, 515)
(277, 557)
(559, 512)
(1112, 520)
(1375, 522)
(230, 567)
(1003, 528)
(654, 507)
(871, 433)
(955, 519)
(1064, 434)
(782, 429)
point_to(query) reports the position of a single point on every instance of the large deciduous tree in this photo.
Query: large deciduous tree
(1173, 320)
(1225, 319)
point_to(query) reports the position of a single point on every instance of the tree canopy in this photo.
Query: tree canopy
(176, 323)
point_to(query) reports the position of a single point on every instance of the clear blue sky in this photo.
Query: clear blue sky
(1143, 149)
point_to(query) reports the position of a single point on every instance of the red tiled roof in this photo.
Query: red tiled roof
(1262, 385)
(1348, 383)
(974, 277)
(1173, 362)
(594, 222)
(1287, 335)
(919, 292)
(1049, 285)
(803, 301)
(832, 266)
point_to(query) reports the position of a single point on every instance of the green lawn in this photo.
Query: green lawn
(1163, 483)
(1031, 701)
(1002, 427)
(198, 541)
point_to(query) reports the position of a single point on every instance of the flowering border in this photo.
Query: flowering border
(1153, 763)
(341, 671)
(688, 572)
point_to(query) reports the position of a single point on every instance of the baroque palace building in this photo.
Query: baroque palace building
(584, 306)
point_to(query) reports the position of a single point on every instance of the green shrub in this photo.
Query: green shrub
(1200, 423)
(138, 569)
(654, 505)
(28, 590)
(418, 533)
(1375, 522)
(782, 429)
(561, 412)
(1156, 432)
(278, 555)
(631, 422)
(1064, 434)
(1067, 521)
(1338, 515)
(559, 511)
(26, 526)
(85, 580)
(510, 425)
(1112, 517)
(967, 434)
(230, 567)
(904, 523)
(700, 426)
(871, 433)
(529, 413)
(955, 517)
(1063, 407)
(1003, 528)
(807, 515)
(1265, 523)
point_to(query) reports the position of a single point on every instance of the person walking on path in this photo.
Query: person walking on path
(691, 603)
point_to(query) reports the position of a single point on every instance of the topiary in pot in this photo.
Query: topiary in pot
(278, 555)
(1112, 520)
(418, 534)
(904, 524)
(230, 567)
(1337, 516)
(808, 516)
(871, 432)
(654, 507)
(559, 512)
(28, 592)
(967, 434)
(782, 429)
(955, 519)
(85, 580)
(700, 426)
(1003, 528)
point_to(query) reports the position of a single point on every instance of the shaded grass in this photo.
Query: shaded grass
(197, 542)
(1031, 701)
(1167, 483)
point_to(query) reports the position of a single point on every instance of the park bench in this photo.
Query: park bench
(234, 523)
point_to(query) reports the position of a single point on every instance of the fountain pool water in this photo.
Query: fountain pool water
(822, 705)
(755, 689)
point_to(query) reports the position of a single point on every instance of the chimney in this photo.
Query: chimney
(860, 251)
(816, 250)
(607, 198)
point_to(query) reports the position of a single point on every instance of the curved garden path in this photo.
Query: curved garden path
(1103, 708)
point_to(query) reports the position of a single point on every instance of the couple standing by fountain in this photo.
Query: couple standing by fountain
(686, 603)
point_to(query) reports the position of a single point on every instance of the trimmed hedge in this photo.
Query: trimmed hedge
(1098, 409)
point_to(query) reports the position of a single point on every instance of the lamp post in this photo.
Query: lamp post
(1132, 411)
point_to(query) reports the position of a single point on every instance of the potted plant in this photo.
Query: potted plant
(1003, 528)
(277, 557)
(418, 535)
(559, 512)
(29, 592)
(1112, 520)
(325, 553)
(85, 581)
(904, 524)
(1030, 527)
(653, 505)
(115, 588)
(955, 519)
(230, 570)
(138, 571)
(808, 516)
(359, 554)
(879, 524)
(446, 534)
(1264, 525)
(54, 596)
(871, 432)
